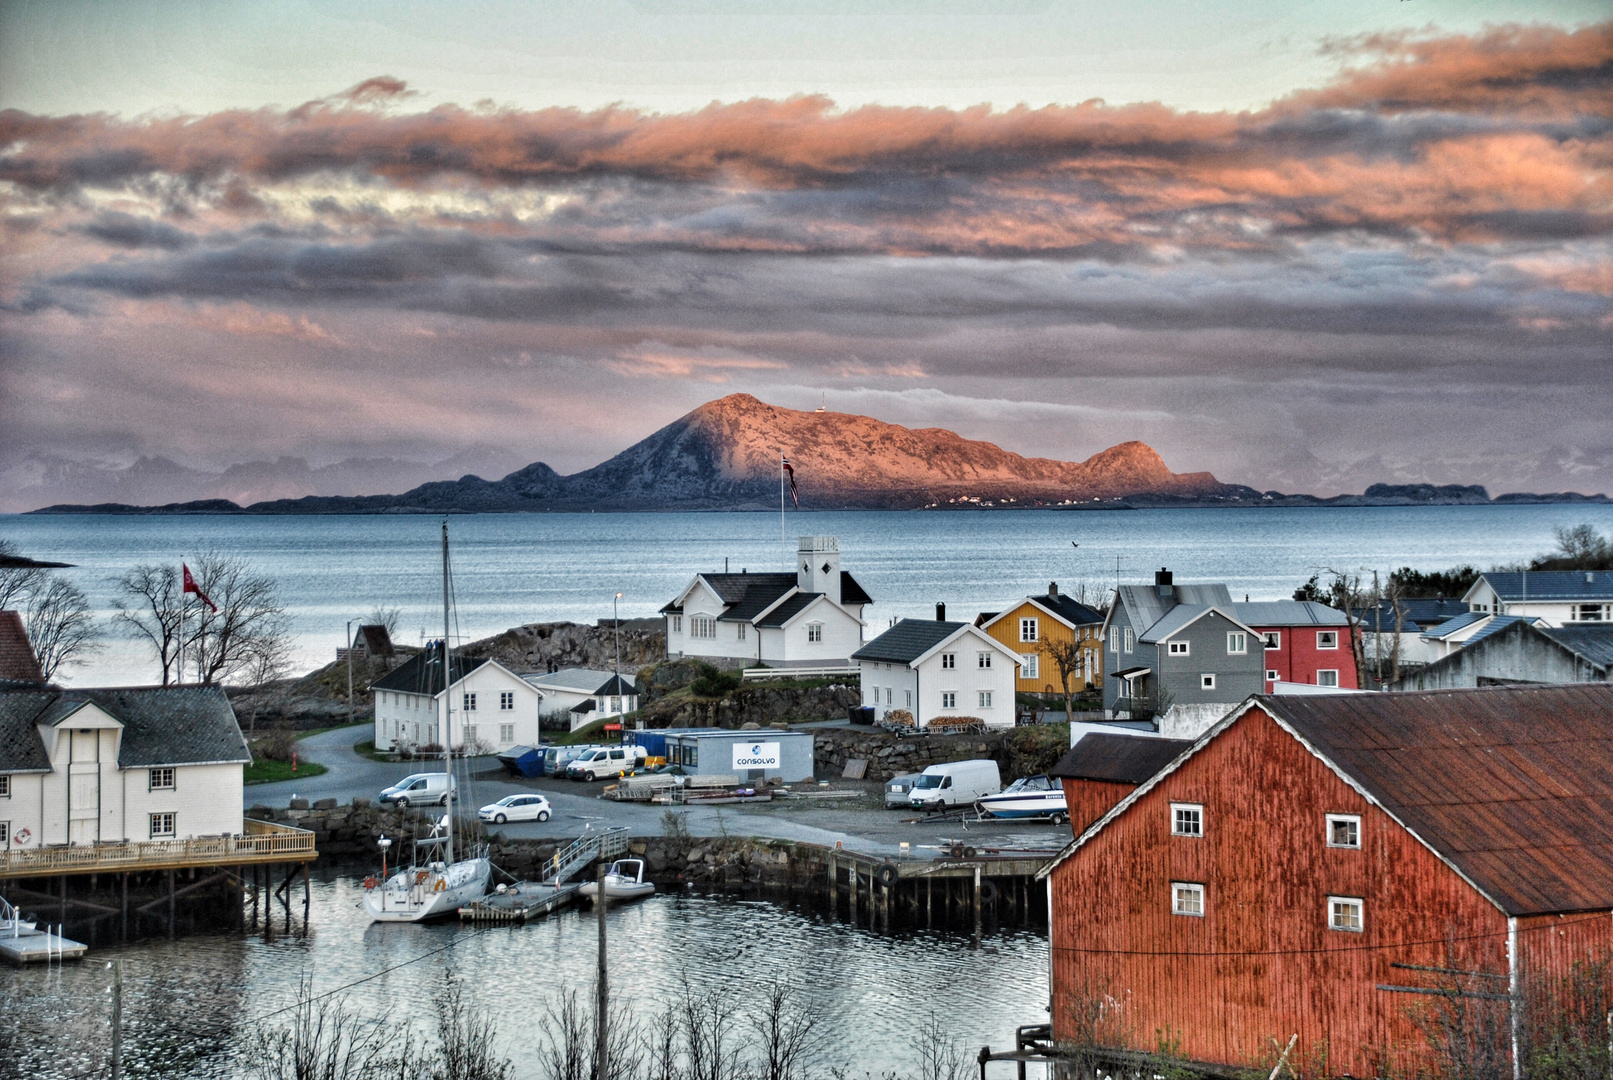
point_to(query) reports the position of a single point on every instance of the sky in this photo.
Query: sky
(1309, 249)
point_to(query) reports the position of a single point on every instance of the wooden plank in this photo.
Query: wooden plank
(856, 769)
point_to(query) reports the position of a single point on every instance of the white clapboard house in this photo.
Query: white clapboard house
(113, 765)
(579, 696)
(493, 708)
(812, 617)
(933, 669)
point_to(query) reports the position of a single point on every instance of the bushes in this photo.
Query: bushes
(277, 745)
(711, 683)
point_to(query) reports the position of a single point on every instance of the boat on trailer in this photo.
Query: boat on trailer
(624, 880)
(1028, 797)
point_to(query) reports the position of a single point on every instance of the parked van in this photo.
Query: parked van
(606, 761)
(957, 783)
(556, 758)
(421, 789)
(899, 791)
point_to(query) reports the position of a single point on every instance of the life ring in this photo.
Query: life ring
(420, 876)
(370, 883)
(22, 837)
(440, 886)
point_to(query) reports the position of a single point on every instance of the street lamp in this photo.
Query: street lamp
(350, 623)
(616, 613)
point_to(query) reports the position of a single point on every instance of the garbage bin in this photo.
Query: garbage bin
(862, 714)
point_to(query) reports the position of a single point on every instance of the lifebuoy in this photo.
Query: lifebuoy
(421, 876)
(22, 837)
(440, 886)
(370, 883)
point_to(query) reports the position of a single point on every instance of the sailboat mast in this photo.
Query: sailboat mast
(447, 701)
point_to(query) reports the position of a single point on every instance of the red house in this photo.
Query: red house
(1306, 642)
(1316, 865)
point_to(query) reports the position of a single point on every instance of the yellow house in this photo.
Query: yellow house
(1033, 624)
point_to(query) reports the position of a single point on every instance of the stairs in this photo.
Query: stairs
(585, 849)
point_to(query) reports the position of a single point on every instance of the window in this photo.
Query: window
(1028, 629)
(1187, 819)
(470, 702)
(5, 832)
(677, 624)
(1206, 682)
(908, 694)
(470, 734)
(983, 660)
(1343, 830)
(5, 787)
(815, 632)
(985, 699)
(1273, 639)
(1588, 613)
(1114, 639)
(875, 699)
(1030, 665)
(888, 692)
(702, 626)
(160, 780)
(1327, 639)
(162, 825)
(949, 660)
(506, 733)
(692, 752)
(949, 699)
(1237, 644)
(1177, 648)
(1273, 676)
(1327, 677)
(1344, 913)
(506, 700)
(1187, 899)
(1128, 641)
(739, 631)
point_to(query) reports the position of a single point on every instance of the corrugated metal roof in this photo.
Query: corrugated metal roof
(1594, 643)
(1418, 613)
(1263, 613)
(1497, 623)
(1451, 626)
(1514, 786)
(1551, 584)
(1145, 607)
(576, 679)
(1130, 759)
(1180, 616)
(908, 640)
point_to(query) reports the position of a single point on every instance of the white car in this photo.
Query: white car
(516, 808)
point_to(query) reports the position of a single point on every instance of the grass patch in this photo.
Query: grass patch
(367, 749)
(333, 727)
(267, 771)
(588, 733)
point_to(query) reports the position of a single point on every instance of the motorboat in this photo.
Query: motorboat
(624, 880)
(1028, 797)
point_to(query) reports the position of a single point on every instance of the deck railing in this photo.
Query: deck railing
(824, 671)
(258, 842)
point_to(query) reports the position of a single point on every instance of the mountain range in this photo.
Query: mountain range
(725, 455)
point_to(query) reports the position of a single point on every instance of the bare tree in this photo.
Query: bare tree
(326, 1041)
(18, 583)
(465, 1040)
(247, 622)
(60, 625)
(149, 610)
(787, 1029)
(271, 659)
(1069, 660)
(388, 617)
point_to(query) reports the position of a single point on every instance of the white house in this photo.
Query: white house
(810, 618)
(114, 765)
(583, 695)
(492, 708)
(937, 668)
(1558, 597)
(1466, 629)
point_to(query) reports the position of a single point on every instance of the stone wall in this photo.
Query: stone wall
(889, 756)
(753, 703)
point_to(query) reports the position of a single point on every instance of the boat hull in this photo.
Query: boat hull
(411, 896)
(1030, 804)
(617, 890)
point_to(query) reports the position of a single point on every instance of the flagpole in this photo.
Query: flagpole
(179, 646)
(783, 535)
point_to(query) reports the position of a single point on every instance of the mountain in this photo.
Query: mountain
(725, 455)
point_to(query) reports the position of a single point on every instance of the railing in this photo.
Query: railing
(754, 674)
(582, 851)
(260, 841)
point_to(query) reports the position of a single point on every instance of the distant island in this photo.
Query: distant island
(725, 456)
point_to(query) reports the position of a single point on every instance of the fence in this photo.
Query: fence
(259, 842)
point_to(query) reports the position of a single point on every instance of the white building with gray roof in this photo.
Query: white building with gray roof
(583, 695)
(935, 668)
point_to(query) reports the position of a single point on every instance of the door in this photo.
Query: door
(84, 789)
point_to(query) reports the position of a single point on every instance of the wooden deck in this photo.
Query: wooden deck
(259, 842)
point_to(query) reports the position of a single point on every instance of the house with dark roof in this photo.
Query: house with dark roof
(812, 617)
(371, 641)
(1466, 629)
(89, 766)
(1400, 624)
(582, 695)
(1560, 597)
(1326, 865)
(1520, 651)
(487, 708)
(17, 660)
(932, 669)
(1034, 625)
(1101, 769)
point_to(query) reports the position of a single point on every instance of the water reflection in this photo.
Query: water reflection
(190, 1005)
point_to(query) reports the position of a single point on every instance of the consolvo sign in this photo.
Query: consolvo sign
(756, 755)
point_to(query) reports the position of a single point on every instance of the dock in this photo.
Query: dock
(519, 902)
(39, 947)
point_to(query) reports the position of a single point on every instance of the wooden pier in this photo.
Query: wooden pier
(518, 903)
(959, 883)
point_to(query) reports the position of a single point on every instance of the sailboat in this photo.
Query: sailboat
(435, 884)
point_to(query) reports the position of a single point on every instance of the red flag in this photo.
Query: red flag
(192, 587)
(788, 468)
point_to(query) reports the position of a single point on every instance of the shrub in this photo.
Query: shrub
(277, 745)
(711, 683)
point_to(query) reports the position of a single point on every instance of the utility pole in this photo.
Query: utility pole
(616, 613)
(117, 1020)
(349, 672)
(602, 1000)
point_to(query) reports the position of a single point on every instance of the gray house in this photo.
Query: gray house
(1522, 651)
(1179, 649)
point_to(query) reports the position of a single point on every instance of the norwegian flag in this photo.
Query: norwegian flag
(789, 470)
(192, 587)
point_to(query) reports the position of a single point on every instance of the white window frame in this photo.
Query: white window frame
(162, 817)
(983, 661)
(164, 778)
(703, 627)
(677, 624)
(1331, 677)
(506, 733)
(1588, 613)
(984, 699)
(1338, 914)
(1130, 639)
(908, 694)
(739, 630)
(1273, 675)
(949, 661)
(1272, 639)
(949, 699)
(1030, 665)
(1237, 643)
(467, 734)
(5, 833)
(815, 632)
(1326, 635)
(1187, 814)
(1207, 680)
(1029, 628)
(1353, 820)
(5, 787)
(506, 700)
(469, 702)
(1114, 640)
(1178, 648)
(1187, 898)
(889, 694)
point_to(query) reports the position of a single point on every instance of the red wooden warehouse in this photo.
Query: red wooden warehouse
(1315, 866)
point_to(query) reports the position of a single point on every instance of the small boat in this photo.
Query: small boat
(1028, 797)
(624, 880)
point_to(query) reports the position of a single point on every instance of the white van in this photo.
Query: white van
(606, 761)
(957, 783)
(421, 789)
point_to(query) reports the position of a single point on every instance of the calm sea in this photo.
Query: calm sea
(520, 568)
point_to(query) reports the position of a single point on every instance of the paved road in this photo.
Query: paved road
(577, 804)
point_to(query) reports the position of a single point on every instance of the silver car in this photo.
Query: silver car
(898, 789)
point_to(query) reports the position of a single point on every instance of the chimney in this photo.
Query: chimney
(1052, 588)
(1162, 584)
(940, 613)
